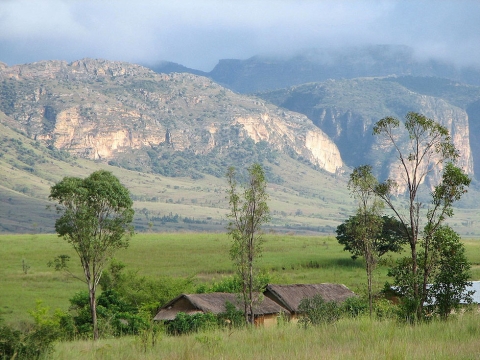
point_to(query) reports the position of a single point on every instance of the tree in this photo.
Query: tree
(427, 149)
(391, 238)
(96, 215)
(248, 212)
(452, 273)
(365, 226)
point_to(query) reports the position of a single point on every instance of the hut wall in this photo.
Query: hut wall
(266, 320)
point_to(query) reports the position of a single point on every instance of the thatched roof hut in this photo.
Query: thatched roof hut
(214, 303)
(290, 296)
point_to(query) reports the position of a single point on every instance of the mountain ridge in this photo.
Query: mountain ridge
(136, 108)
(171, 137)
(268, 72)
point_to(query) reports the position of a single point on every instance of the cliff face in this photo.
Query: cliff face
(347, 110)
(309, 142)
(127, 114)
(100, 110)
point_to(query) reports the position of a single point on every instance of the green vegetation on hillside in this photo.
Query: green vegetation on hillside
(166, 161)
(457, 93)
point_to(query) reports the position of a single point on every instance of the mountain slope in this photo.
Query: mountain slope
(307, 200)
(59, 119)
(170, 139)
(346, 110)
(135, 118)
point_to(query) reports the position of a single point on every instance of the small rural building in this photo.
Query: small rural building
(266, 312)
(290, 296)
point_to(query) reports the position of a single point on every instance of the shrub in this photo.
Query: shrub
(232, 316)
(231, 284)
(116, 317)
(33, 343)
(316, 311)
(9, 341)
(141, 292)
(384, 309)
(355, 306)
(186, 324)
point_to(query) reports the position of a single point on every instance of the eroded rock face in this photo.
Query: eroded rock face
(308, 141)
(98, 109)
(347, 111)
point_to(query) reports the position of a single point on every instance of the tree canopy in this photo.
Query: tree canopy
(391, 238)
(96, 215)
(427, 150)
(248, 212)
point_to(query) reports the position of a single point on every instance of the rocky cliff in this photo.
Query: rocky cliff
(106, 111)
(346, 111)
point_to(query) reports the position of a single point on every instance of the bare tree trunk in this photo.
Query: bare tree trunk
(369, 280)
(252, 320)
(415, 283)
(93, 309)
(245, 300)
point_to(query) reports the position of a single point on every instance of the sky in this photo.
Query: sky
(198, 33)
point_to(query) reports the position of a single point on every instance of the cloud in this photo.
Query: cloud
(199, 33)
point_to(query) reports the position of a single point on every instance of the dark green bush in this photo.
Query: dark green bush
(186, 324)
(355, 306)
(10, 340)
(141, 292)
(384, 309)
(34, 342)
(231, 317)
(116, 316)
(316, 311)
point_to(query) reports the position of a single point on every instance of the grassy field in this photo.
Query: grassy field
(348, 339)
(25, 276)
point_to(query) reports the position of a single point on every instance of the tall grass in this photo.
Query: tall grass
(360, 338)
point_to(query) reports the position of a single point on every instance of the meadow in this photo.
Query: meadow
(359, 339)
(203, 257)
(25, 276)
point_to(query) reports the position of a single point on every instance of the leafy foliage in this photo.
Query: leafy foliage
(452, 273)
(186, 324)
(116, 317)
(428, 148)
(232, 284)
(391, 238)
(249, 211)
(446, 271)
(36, 340)
(316, 311)
(141, 292)
(354, 306)
(231, 317)
(96, 217)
